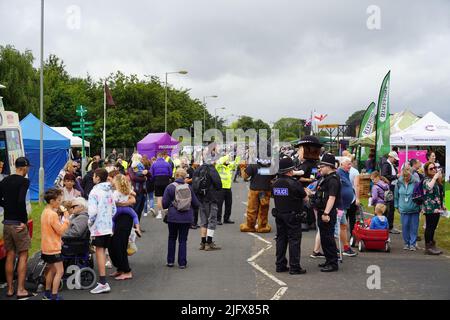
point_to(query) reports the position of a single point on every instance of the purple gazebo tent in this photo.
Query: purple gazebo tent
(157, 142)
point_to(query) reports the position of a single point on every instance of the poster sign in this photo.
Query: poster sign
(412, 154)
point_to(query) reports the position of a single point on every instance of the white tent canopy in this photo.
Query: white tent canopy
(428, 131)
(75, 142)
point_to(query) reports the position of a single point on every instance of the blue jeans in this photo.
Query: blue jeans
(410, 226)
(178, 231)
(149, 197)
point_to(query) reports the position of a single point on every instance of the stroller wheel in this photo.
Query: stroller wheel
(88, 278)
(387, 247)
(352, 242)
(361, 246)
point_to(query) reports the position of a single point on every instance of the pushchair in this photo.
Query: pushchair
(78, 265)
(369, 239)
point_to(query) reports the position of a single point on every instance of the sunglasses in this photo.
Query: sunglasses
(432, 168)
(74, 206)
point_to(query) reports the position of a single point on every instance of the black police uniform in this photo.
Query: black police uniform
(329, 185)
(288, 194)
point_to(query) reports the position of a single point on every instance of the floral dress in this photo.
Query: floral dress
(432, 200)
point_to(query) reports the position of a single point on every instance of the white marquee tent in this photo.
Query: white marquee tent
(75, 142)
(430, 130)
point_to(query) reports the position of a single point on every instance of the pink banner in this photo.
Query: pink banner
(412, 154)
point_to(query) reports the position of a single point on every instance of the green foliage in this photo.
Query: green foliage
(354, 121)
(140, 104)
(290, 128)
(246, 123)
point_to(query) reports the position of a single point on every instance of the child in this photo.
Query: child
(379, 222)
(138, 168)
(101, 210)
(52, 230)
(69, 192)
(121, 195)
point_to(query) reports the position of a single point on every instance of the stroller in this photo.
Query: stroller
(367, 239)
(77, 258)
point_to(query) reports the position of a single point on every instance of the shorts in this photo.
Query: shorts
(102, 241)
(161, 183)
(340, 220)
(16, 241)
(51, 258)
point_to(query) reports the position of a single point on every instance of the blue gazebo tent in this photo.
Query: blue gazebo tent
(56, 152)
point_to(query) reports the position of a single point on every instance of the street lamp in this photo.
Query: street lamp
(215, 116)
(204, 110)
(165, 100)
(41, 112)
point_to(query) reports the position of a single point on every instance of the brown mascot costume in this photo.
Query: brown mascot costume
(258, 196)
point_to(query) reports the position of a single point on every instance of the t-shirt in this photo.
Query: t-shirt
(13, 192)
(379, 222)
(119, 197)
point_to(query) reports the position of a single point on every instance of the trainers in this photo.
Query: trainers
(316, 255)
(349, 253)
(145, 214)
(153, 212)
(170, 265)
(101, 288)
(211, 246)
(159, 216)
(406, 247)
(202, 246)
(47, 296)
(412, 248)
(58, 298)
(394, 231)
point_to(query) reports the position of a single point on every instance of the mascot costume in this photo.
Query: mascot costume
(258, 196)
(308, 154)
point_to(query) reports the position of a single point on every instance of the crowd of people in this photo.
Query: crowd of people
(311, 190)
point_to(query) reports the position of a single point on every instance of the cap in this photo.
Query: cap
(309, 140)
(22, 162)
(286, 165)
(328, 159)
(394, 155)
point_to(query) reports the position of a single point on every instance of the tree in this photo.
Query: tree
(290, 128)
(353, 122)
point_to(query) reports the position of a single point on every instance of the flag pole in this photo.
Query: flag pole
(104, 122)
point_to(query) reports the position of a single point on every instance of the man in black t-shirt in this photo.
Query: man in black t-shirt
(326, 200)
(13, 192)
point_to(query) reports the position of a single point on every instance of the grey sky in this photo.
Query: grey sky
(266, 59)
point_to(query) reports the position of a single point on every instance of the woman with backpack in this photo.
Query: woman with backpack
(380, 189)
(180, 200)
(409, 210)
(432, 206)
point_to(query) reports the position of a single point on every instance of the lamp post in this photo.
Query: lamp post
(41, 111)
(165, 100)
(215, 116)
(204, 110)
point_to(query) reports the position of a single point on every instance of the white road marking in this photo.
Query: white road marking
(268, 274)
(279, 293)
(260, 238)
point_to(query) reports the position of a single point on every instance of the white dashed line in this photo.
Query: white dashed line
(260, 238)
(268, 274)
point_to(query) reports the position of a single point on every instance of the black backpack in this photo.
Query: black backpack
(202, 181)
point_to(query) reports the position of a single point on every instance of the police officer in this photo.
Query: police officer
(288, 194)
(325, 201)
(308, 156)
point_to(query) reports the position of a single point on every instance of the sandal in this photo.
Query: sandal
(11, 295)
(116, 274)
(27, 296)
(123, 277)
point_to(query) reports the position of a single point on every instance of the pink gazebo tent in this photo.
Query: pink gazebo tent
(157, 142)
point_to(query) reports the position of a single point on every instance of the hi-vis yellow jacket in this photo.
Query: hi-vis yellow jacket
(226, 171)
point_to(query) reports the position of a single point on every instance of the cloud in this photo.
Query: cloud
(266, 59)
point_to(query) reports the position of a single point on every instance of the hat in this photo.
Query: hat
(286, 165)
(309, 140)
(328, 159)
(22, 162)
(394, 155)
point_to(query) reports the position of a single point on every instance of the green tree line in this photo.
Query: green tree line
(140, 103)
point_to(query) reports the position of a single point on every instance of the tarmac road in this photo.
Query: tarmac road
(227, 275)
